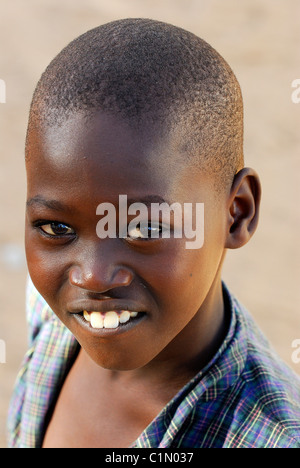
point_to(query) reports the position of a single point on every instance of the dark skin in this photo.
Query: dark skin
(121, 381)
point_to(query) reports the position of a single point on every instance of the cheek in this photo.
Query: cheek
(45, 269)
(184, 277)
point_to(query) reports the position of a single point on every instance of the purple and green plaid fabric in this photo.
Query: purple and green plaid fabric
(246, 397)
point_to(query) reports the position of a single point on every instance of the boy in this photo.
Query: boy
(136, 342)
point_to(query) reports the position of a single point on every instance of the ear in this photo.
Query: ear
(243, 208)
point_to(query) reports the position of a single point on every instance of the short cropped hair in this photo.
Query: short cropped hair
(148, 71)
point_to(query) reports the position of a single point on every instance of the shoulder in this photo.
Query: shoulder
(269, 405)
(51, 350)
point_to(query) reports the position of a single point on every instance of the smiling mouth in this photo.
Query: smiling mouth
(111, 319)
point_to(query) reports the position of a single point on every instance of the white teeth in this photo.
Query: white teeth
(111, 320)
(87, 316)
(125, 316)
(133, 314)
(96, 320)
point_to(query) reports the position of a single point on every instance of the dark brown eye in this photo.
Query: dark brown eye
(57, 229)
(145, 231)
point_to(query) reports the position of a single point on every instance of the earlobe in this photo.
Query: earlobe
(243, 208)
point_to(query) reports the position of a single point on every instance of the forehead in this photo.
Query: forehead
(107, 155)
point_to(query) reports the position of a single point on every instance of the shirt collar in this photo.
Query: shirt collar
(222, 372)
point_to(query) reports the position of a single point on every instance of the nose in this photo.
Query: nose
(99, 272)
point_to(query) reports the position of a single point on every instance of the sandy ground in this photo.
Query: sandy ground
(261, 41)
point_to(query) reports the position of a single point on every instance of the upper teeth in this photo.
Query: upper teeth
(109, 319)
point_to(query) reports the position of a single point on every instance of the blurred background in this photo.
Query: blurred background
(261, 41)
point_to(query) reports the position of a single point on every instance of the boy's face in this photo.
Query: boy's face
(177, 292)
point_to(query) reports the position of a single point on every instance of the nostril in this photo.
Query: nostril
(122, 277)
(98, 280)
(75, 277)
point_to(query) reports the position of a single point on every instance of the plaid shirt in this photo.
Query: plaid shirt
(244, 398)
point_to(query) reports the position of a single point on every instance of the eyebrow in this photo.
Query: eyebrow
(55, 205)
(148, 200)
(51, 204)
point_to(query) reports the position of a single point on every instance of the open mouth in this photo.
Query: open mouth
(111, 319)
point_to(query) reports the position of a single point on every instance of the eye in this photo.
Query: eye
(145, 231)
(56, 229)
